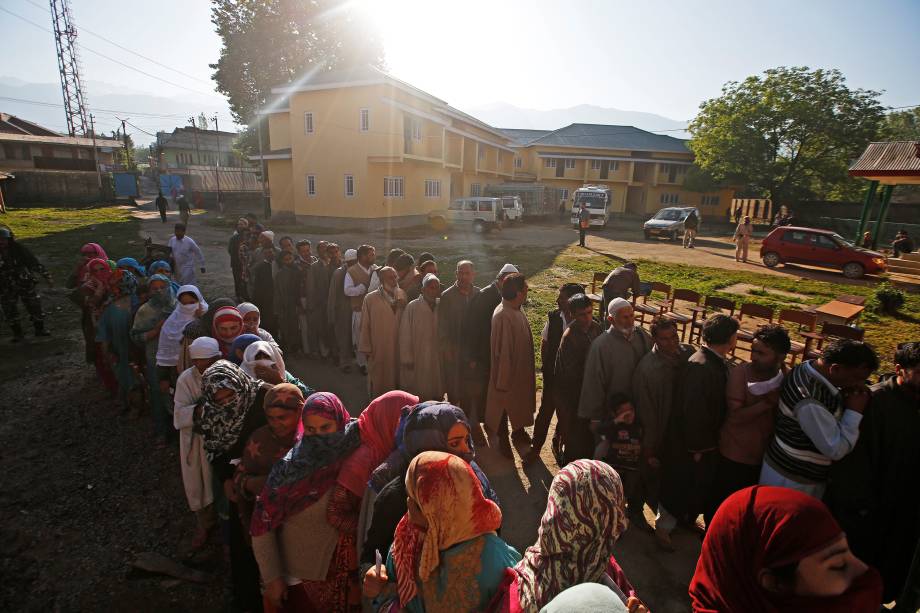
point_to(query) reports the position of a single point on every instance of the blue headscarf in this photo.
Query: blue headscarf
(165, 300)
(242, 341)
(163, 267)
(133, 265)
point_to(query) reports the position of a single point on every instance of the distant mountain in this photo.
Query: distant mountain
(108, 101)
(503, 115)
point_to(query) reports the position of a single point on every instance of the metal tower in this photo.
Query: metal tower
(65, 39)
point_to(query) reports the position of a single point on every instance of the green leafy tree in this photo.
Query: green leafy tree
(902, 125)
(267, 43)
(788, 134)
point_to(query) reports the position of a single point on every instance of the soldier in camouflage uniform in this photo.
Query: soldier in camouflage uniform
(17, 282)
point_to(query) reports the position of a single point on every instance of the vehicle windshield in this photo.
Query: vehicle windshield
(841, 241)
(594, 201)
(670, 214)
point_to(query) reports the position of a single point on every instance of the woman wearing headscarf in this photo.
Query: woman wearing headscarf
(114, 332)
(771, 549)
(230, 411)
(226, 326)
(264, 361)
(196, 471)
(429, 426)
(445, 555)
(190, 304)
(305, 562)
(202, 325)
(148, 321)
(162, 267)
(585, 515)
(88, 252)
(251, 320)
(132, 266)
(239, 347)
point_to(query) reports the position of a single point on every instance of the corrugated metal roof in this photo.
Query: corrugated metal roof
(79, 141)
(600, 136)
(522, 136)
(897, 158)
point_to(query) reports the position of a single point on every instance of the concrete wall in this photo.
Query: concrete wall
(57, 187)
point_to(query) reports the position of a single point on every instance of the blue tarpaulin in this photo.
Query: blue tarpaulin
(171, 185)
(125, 184)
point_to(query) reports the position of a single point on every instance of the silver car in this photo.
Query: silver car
(669, 222)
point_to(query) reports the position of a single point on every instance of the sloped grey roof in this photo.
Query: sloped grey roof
(600, 136)
(896, 158)
(522, 136)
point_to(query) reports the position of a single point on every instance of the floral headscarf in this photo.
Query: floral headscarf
(220, 424)
(122, 283)
(449, 496)
(309, 469)
(585, 515)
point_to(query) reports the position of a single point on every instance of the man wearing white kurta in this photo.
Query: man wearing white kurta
(186, 255)
(360, 279)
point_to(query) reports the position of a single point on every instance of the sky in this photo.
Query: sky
(656, 56)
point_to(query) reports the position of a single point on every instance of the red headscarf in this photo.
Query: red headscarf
(765, 527)
(92, 251)
(377, 423)
(223, 315)
(99, 270)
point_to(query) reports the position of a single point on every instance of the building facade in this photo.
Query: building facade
(363, 148)
(25, 145)
(192, 146)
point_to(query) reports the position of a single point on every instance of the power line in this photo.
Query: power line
(107, 111)
(131, 51)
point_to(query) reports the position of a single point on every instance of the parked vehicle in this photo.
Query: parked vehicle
(480, 213)
(513, 209)
(537, 199)
(598, 199)
(669, 222)
(795, 245)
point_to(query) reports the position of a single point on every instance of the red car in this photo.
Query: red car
(794, 245)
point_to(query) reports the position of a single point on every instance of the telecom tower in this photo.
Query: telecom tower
(65, 39)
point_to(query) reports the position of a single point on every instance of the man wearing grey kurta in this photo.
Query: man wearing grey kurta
(452, 310)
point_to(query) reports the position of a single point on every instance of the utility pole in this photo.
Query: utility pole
(92, 129)
(124, 138)
(65, 41)
(220, 204)
(194, 125)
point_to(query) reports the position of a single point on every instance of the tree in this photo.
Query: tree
(789, 134)
(902, 125)
(267, 43)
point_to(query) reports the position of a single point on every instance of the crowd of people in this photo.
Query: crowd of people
(802, 475)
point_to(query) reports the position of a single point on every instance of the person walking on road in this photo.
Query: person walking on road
(584, 220)
(185, 255)
(742, 239)
(162, 203)
(691, 225)
(184, 208)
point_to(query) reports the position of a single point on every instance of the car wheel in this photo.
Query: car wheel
(479, 227)
(854, 270)
(771, 259)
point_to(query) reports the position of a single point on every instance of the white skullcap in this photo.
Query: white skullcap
(269, 235)
(350, 255)
(204, 347)
(429, 278)
(507, 269)
(616, 305)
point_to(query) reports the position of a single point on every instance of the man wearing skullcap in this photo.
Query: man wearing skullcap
(419, 359)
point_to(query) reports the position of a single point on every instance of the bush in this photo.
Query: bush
(890, 299)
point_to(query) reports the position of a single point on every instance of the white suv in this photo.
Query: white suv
(513, 209)
(480, 212)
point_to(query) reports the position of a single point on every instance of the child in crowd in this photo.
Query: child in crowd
(621, 447)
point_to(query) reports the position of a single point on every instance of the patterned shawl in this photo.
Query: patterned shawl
(122, 283)
(378, 424)
(449, 496)
(585, 515)
(309, 469)
(220, 424)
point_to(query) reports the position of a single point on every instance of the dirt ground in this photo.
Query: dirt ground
(84, 490)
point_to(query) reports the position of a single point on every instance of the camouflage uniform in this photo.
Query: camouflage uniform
(17, 282)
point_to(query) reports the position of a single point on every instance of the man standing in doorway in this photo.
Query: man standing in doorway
(185, 256)
(452, 310)
(584, 220)
(358, 282)
(162, 203)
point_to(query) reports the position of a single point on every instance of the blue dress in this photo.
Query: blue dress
(114, 329)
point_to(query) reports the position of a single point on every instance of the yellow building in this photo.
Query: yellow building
(363, 149)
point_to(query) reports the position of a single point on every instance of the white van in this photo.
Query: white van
(513, 209)
(598, 199)
(479, 212)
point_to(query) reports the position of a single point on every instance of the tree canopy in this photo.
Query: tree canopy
(267, 43)
(902, 125)
(788, 134)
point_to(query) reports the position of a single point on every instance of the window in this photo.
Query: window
(311, 185)
(595, 164)
(798, 237)
(826, 242)
(564, 193)
(569, 164)
(417, 130)
(432, 188)
(364, 120)
(456, 205)
(614, 166)
(482, 153)
(518, 162)
(349, 186)
(709, 200)
(475, 189)
(668, 199)
(308, 123)
(549, 162)
(485, 206)
(393, 187)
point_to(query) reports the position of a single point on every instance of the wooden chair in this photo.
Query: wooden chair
(598, 297)
(831, 332)
(712, 304)
(683, 320)
(804, 323)
(753, 311)
(656, 308)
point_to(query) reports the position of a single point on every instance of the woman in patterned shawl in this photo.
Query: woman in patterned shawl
(585, 515)
(113, 331)
(202, 326)
(88, 253)
(446, 555)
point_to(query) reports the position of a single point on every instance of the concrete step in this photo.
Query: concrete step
(904, 263)
(913, 257)
(904, 270)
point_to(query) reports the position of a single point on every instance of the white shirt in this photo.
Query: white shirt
(186, 252)
(565, 324)
(359, 290)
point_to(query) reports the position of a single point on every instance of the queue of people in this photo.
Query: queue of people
(390, 511)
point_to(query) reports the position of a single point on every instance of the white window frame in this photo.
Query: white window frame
(569, 164)
(564, 193)
(595, 164)
(475, 190)
(417, 130)
(394, 187)
(349, 178)
(549, 162)
(309, 123)
(710, 200)
(311, 186)
(481, 153)
(668, 198)
(498, 158)
(614, 166)
(518, 162)
(432, 188)
(364, 120)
